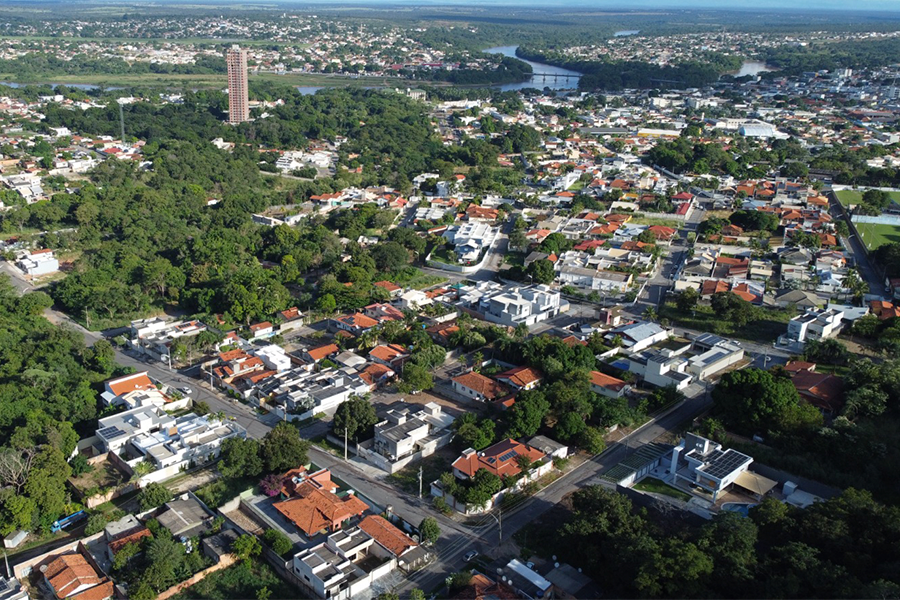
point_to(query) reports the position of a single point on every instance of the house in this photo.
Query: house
(314, 355)
(354, 324)
(639, 335)
(126, 530)
(699, 462)
(551, 448)
(383, 312)
(480, 214)
(404, 435)
(608, 386)
(511, 305)
(520, 378)
(132, 390)
(344, 566)
(814, 324)
(273, 357)
(313, 510)
(414, 300)
(482, 587)
(376, 375)
(391, 543)
(389, 355)
(217, 546)
(185, 516)
(825, 392)
(393, 289)
(440, 333)
(477, 386)
(884, 310)
(527, 582)
(261, 330)
(799, 298)
(38, 262)
(76, 576)
(501, 459)
(714, 355)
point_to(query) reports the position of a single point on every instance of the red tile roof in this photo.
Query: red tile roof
(499, 459)
(314, 510)
(69, 572)
(482, 385)
(382, 531)
(387, 352)
(391, 287)
(321, 352)
(521, 376)
(820, 389)
(130, 383)
(605, 381)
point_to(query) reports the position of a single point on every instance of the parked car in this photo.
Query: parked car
(470, 555)
(186, 390)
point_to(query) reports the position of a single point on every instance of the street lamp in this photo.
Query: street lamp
(499, 523)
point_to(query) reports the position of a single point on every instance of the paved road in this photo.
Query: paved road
(857, 249)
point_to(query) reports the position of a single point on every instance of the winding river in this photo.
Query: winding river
(537, 81)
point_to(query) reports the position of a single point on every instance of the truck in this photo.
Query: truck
(66, 521)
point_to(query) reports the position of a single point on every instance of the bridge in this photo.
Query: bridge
(557, 75)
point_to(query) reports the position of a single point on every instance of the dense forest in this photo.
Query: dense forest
(48, 400)
(841, 548)
(795, 59)
(617, 75)
(38, 65)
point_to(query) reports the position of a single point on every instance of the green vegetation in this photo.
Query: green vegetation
(778, 552)
(243, 580)
(875, 235)
(737, 319)
(651, 484)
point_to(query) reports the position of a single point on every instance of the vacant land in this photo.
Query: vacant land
(243, 580)
(103, 475)
(769, 324)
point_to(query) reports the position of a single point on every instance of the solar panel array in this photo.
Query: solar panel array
(508, 455)
(111, 433)
(725, 464)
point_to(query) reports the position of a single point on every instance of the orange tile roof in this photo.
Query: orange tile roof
(291, 313)
(382, 531)
(136, 536)
(321, 352)
(795, 366)
(387, 352)
(571, 340)
(605, 381)
(661, 232)
(315, 510)
(69, 572)
(374, 372)
(521, 376)
(820, 389)
(130, 383)
(391, 287)
(358, 320)
(480, 384)
(490, 459)
(257, 326)
(98, 592)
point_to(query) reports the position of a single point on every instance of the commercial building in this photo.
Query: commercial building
(238, 98)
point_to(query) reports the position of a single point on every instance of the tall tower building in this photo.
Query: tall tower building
(238, 101)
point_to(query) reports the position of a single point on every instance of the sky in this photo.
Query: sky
(848, 5)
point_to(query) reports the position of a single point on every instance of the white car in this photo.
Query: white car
(186, 391)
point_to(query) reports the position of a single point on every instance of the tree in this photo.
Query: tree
(416, 594)
(390, 256)
(429, 530)
(472, 433)
(240, 458)
(687, 299)
(155, 494)
(756, 401)
(283, 448)
(246, 547)
(417, 377)
(524, 418)
(278, 542)
(730, 307)
(591, 440)
(271, 485)
(355, 417)
(326, 304)
(541, 271)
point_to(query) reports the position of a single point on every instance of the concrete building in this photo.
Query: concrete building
(238, 99)
(716, 354)
(404, 434)
(511, 305)
(38, 262)
(814, 324)
(700, 462)
(637, 336)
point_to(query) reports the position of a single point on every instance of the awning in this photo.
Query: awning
(754, 483)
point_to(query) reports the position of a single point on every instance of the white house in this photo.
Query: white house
(637, 336)
(38, 262)
(697, 461)
(814, 324)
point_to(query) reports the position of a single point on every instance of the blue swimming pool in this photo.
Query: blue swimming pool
(739, 507)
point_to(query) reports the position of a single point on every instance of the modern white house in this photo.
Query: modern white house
(814, 324)
(699, 462)
(404, 436)
(716, 354)
(639, 335)
(38, 262)
(470, 239)
(512, 305)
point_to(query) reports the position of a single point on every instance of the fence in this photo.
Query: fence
(225, 561)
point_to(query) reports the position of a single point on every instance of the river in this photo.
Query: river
(537, 81)
(752, 68)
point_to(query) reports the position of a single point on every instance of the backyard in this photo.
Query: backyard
(657, 486)
(102, 476)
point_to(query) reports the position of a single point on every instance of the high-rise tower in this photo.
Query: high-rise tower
(238, 100)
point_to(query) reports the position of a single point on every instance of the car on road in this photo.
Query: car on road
(186, 390)
(470, 555)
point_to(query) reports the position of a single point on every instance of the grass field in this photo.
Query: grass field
(874, 235)
(656, 486)
(848, 197)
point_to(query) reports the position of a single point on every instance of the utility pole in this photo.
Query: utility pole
(345, 443)
(420, 482)
(122, 122)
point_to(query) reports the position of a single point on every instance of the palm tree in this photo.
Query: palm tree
(650, 313)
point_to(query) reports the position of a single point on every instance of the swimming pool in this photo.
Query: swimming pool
(739, 507)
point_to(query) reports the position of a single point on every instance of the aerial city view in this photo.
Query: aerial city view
(385, 299)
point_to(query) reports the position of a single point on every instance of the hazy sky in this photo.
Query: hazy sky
(850, 5)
